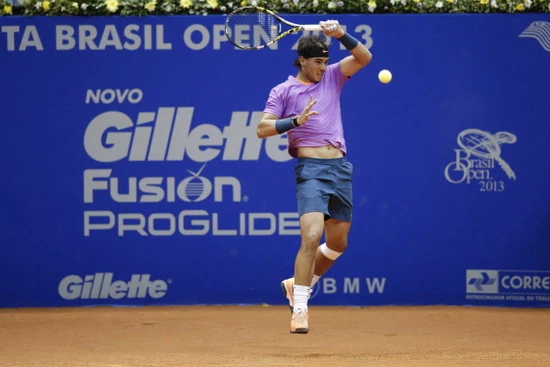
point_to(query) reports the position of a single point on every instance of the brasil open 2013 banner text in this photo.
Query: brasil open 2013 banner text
(132, 174)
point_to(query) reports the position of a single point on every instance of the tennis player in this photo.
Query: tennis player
(307, 108)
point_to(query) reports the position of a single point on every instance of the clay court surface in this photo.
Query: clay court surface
(259, 336)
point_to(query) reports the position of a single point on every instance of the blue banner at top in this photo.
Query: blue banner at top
(132, 173)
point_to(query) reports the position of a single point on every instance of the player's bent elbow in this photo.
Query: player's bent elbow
(366, 60)
(369, 59)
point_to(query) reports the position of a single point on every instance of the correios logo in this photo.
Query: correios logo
(167, 135)
(508, 285)
(481, 281)
(102, 286)
(476, 159)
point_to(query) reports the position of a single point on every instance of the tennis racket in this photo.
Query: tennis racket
(254, 28)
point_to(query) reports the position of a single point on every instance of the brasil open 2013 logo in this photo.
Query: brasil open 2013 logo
(479, 159)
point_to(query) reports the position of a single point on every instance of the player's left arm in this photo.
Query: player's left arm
(360, 54)
(270, 124)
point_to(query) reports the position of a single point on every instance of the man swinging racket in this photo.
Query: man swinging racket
(307, 108)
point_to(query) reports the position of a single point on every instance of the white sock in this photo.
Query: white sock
(301, 294)
(314, 280)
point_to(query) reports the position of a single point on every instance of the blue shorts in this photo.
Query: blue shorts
(324, 185)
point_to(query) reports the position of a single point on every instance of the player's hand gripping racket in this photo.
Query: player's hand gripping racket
(253, 27)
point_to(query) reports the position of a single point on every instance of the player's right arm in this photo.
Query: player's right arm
(360, 54)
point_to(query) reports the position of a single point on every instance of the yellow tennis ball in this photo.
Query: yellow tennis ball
(384, 76)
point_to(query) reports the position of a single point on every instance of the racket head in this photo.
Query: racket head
(254, 27)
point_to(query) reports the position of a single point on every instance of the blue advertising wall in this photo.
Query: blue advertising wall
(132, 174)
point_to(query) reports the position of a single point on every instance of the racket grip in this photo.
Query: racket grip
(312, 27)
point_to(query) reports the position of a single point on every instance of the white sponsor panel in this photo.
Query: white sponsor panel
(539, 30)
(481, 281)
(136, 37)
(169, 135)
(349, 285)
(479, 158)
(193, 188)
(508, 285)
(102, 286)
(196, 222)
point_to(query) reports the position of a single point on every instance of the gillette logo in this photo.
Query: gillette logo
(101, 286)
(166, 135)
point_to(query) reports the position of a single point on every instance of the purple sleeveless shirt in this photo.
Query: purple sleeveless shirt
(291, 97)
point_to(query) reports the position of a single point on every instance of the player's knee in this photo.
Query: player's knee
(338, 246)
(311, 239)
(333, 252)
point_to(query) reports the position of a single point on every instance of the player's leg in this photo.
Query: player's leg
(336, 237)
(340, 208)
(313, 178)
(324, 258)
(311, 229)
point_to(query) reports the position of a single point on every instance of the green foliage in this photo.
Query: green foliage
(205, 7)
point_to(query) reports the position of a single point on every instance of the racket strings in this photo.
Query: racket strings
(253, 28)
